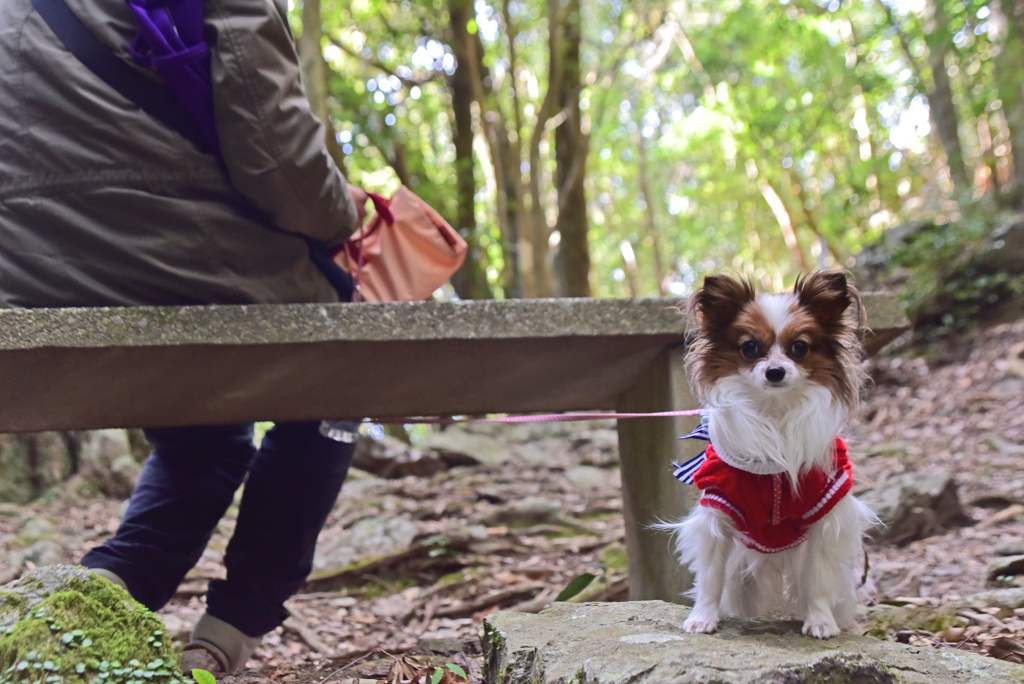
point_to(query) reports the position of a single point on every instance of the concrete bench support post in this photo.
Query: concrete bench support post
(647, 448)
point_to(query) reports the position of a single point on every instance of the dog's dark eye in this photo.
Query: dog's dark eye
(798, 349)
(750, 349)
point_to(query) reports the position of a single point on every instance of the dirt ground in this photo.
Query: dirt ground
(514, 535)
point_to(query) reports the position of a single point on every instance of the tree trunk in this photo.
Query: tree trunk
(396, 160)
(505, 161)
(652, 224)
(469, 281)
(537, 270)
(573, 259)
(785, 221)
(1009, 37)
(510, 142)
(796, 187)
(314, 74)
(939, 93)
(940, 99)
(632, 271)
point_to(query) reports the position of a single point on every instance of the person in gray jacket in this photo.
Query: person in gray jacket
(101, 204)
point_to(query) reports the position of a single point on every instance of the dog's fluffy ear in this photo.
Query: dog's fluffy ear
(826, 295)
(716, 305)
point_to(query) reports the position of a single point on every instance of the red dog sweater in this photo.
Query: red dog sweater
(767, 512)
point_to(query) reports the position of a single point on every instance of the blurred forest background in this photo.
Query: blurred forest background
(617, 149)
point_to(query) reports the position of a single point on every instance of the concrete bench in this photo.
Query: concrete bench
(66, 369)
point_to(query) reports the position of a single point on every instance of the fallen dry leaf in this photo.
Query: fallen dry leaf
(1005, 648)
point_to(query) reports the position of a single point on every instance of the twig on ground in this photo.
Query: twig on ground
(498, 598)
(308, 635)
(366, 654)
(429, 610)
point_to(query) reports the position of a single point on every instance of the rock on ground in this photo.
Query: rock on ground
(64, 624)
(31, 463)
(915, 505)
(642, 642)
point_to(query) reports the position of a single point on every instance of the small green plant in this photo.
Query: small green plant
(445, 673)
(203, 677)
(440, 545)
(574, 587)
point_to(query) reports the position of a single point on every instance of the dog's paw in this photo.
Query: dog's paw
(700, 624)
(821, 629)
(819, 622)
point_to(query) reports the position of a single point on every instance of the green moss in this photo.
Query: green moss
(450, 578)
(349, 570)
(11, 602)
(614, 557)
(493, 645)
(887, 620)
(82, 629)
(839, 669)
(599, 517)
(379, 588)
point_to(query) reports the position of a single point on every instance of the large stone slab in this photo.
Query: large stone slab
(642, 642)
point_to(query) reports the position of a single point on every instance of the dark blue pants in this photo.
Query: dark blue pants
(188, 483)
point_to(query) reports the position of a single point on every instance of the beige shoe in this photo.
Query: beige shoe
(199, 657)
(107, 575)
(217, 647)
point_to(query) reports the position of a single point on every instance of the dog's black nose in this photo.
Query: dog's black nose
(775, 374)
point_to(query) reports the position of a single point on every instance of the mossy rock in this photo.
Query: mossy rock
(884, 620)
(64, 624)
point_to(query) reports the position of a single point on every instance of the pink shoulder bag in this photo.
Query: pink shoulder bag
(403, 253)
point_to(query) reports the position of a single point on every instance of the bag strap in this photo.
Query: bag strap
(383, 208)
(151, 96)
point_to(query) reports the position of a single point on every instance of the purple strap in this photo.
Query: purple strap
(170, 42)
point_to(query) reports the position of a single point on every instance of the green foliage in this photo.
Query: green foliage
(762, 136)
(457, 670)
(574, 587)
(449, 669)
(614, 558)
(439, 545)
(954, 274)
(260, 429)
(203, 677)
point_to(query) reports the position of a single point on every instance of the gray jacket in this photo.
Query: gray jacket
(100, 204)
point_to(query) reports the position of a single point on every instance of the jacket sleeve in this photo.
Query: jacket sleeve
(272, 143)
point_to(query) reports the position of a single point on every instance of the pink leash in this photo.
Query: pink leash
(538, 418)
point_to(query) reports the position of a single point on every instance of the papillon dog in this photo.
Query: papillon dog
(776, 528)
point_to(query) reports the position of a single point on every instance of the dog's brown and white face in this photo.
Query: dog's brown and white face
(777, 343)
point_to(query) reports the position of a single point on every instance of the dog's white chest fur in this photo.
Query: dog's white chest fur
(792, 434)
